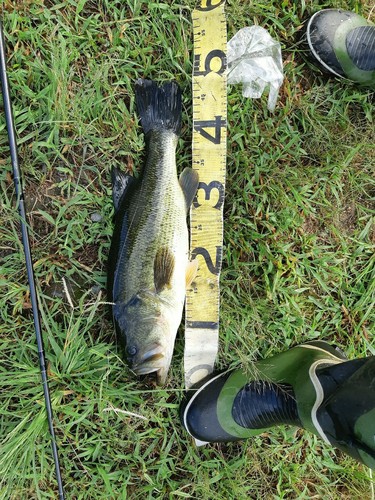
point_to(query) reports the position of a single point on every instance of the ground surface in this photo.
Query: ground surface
(298, 257)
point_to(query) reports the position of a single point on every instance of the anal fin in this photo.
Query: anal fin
(189, 184)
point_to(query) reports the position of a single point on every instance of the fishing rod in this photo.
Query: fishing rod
(26, 246)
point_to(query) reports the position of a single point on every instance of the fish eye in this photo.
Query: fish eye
(132, 350)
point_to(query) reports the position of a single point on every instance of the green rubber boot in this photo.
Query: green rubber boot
(342, 43)
(311, 386)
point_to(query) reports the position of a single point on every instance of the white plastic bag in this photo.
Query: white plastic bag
(254, 59)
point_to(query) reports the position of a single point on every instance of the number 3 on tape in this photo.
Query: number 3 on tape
(206, 214)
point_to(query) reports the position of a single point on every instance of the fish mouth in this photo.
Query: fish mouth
(151, 360)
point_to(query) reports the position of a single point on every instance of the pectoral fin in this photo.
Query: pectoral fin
(189, 184)
(163, 268)
(191, 272)
(120, 184)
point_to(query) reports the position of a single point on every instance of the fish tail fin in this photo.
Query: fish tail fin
(159, 107)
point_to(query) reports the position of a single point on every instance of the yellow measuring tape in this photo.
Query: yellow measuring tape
(206, 214)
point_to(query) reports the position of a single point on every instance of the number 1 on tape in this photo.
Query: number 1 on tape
(206, 214)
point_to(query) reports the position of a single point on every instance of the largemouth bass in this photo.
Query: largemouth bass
(149, 264)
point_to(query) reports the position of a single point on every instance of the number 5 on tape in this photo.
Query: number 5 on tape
(206, 214)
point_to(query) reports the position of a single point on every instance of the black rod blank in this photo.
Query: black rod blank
(26, 246)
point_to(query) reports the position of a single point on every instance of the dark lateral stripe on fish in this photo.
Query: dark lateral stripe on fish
(159, 107)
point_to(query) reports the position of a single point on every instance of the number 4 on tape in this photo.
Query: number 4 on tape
(217, 123)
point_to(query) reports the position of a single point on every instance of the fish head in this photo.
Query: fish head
(145, 331)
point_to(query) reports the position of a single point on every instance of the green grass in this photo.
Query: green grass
(298, 258)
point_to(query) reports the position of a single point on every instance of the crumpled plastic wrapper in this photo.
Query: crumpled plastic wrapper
(254, 59)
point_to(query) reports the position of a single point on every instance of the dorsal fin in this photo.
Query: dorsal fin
(163, 268)
(120, 184)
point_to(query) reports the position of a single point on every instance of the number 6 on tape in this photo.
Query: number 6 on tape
(206, 214)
